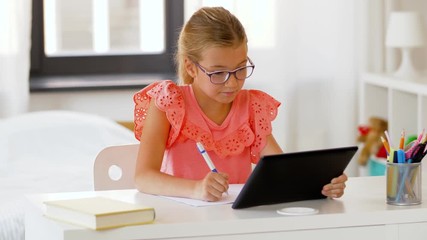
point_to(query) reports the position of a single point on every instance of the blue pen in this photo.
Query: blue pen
(208, 159)
(205, 155)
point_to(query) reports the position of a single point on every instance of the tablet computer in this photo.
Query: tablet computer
(293, 176)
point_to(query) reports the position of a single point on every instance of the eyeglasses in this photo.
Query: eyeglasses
(220, 77)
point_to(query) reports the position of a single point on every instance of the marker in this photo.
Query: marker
(400, 156)
(208, 159)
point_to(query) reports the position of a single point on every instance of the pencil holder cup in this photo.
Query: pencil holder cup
(403, 183)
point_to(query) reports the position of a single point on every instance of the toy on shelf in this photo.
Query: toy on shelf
(370, 135)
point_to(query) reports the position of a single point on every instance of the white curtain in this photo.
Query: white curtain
(15, 42)
(318, 69)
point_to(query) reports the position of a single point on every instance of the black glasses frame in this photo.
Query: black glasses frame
(229, 73)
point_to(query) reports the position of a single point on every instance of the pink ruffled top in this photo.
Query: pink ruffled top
(232, 146)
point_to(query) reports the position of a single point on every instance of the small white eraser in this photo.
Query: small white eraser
(297, 211)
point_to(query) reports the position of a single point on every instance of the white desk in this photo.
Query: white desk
(360, 214)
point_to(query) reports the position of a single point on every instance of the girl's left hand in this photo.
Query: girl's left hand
(335, 189)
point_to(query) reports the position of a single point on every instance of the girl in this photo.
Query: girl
(209, 106)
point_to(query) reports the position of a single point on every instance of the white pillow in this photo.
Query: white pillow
(58, 137)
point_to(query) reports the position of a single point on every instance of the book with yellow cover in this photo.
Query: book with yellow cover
(99, 212)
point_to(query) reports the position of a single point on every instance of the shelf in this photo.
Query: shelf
(388, 81)
(402, 103)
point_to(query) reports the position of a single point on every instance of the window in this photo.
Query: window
(102, 37)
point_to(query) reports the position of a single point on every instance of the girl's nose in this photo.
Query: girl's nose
(232, 81)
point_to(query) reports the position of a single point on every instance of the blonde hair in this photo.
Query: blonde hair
(208, 27)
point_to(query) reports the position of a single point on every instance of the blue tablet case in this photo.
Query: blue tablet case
(290, 177)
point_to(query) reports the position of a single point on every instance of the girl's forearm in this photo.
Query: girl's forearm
(158, 183)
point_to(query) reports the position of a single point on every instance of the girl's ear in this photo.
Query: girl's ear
(190, 67)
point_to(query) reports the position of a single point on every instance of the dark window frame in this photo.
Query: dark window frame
(44, 69)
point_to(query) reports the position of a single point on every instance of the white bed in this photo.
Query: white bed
(49, 151)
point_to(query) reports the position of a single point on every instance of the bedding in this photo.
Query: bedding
(49, 151)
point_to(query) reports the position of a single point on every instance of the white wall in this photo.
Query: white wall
(420, 54)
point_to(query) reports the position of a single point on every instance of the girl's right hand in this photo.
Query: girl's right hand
(211, 187)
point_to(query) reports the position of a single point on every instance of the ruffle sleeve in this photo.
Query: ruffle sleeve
(263, 110)
(168, 98)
